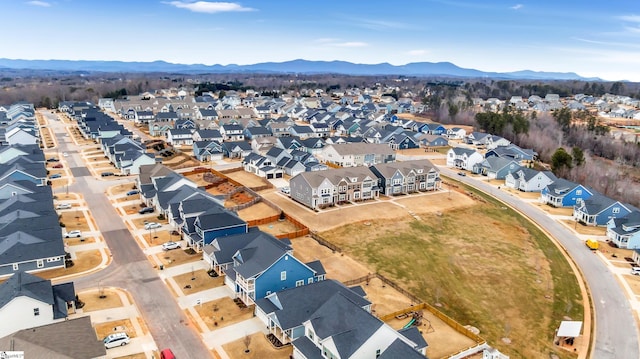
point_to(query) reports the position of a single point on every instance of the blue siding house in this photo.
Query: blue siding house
(266, 265)
(563, 193)
(221, 223)
(598, 210)
(624, 232)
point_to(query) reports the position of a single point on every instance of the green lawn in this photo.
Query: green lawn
(486, 265)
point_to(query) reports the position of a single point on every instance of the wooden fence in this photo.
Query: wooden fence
(324, 242)
(301, 229)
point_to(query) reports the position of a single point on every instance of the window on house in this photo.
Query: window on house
(616, 210)
(578, 192)
(310, 280)
(40, 263)
(378, 353)
(268, 292)
(310, 334)
(15, 266)
(283, 275)
(36, 312)
(299, 283)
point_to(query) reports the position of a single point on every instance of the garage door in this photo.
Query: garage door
(279, 175)
(269, 175)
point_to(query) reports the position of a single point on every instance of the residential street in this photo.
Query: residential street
(130, 268)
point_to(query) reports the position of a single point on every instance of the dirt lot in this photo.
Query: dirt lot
(121, 189)
(371, 210)
(257, 211)
(568, 211)
(338, 266)
(201, 282)
(177, 257)
(259, 348)
(74, 220)
(276, 228)
(222, 312)
(247, 179)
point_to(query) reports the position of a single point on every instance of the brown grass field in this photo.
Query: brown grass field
(583, 229)
(85, 260)
(93, 302)
(456, 256)
(247, 179)
(257, 211)
(116, 326)
(177, 256)
(201, 282)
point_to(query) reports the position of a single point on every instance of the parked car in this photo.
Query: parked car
(146, 210)
(59, 165)
(152, 225)
(167, 354)
(462, 174)
(285, 190)
(635, 270)
(55, 175)
(116, 340)
(167, 246)
(64, 154)
(106, 174)
(132, 192)
(73, 234)
(63, 206)
(53, 159)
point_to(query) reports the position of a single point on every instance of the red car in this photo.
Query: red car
(167, 354)
(59, 165)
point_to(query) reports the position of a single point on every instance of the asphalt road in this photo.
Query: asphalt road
(129, 268)
(616, 333)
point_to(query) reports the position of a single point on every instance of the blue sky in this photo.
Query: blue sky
(591, 38)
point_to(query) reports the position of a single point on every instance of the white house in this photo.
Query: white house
(529, 180)
(27, 301)
(464, 158)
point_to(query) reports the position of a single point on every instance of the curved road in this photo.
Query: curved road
(616, 333)
(129, 268)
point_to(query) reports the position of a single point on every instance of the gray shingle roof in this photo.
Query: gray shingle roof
(259, 255)
(399, 349)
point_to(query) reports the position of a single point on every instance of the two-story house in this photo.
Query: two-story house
(406, 177)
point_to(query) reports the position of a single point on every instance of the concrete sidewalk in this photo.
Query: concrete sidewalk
(204, 296)
(233, 332)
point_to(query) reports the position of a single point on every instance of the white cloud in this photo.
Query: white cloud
(417, 52)
(326, 40)
(39, 3)
(209, 7)
(517, 7)
(351, 44)
(630, 18)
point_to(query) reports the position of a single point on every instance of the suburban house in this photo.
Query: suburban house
(321, 189)
(129, 162)
(180, 136)
(215, 222)
(598, 210)
(564, 193)
(496, 167)
(357, 154)
(235, 149)
(341, 329)
(397, 178)
(464, 158)
(513, 152)
(426, 140)
(261, 166)
(207, 151)
(232, 132)
(529, 180)
(68, 339)
(257, 264)
(624, 232)
(284, 312)
(28, 301)
(456, 133)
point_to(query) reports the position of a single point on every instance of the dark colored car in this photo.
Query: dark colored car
(132, 192)
(146, 210)
(106, 174)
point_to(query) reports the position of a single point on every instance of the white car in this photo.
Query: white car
(285, 190)
(170, 245)
(64, 154)
(152, 225)
(63, 206)
(73, 234)
(635, 270)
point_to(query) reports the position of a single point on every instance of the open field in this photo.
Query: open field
(259, 347)
(458, 257)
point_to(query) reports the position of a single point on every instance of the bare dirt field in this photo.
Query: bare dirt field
(74, 220)
(257, 211)
(247, 179)
(177, 256)
(222, 312)
(385, 299)
(338, 266)
(276, 228)
(259, 348)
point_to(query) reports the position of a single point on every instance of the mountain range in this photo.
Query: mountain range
(446, 69)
